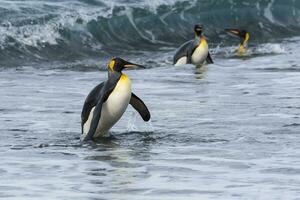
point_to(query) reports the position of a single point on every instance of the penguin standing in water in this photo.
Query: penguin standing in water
(107, 102)
(194, 51)
(244, 38)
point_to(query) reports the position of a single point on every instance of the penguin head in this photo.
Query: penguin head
(198, 30)
(242, 34)
(118, 64)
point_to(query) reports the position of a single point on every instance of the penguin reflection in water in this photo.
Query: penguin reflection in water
(244, 39)
(194, 51)
(107, 102)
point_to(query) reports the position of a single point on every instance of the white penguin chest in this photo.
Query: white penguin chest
(200, 53)
(118, 100)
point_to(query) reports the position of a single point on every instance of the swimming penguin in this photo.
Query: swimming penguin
(107, 102)
(244, 38)
(194, 51)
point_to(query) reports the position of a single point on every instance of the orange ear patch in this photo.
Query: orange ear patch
(111, 65)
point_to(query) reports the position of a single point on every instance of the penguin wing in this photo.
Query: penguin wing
(182, 51)
(101, 94)
(209, 59)
(191, 48)
(89, 103)
(139, 106)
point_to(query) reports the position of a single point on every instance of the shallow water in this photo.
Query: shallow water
(227, 131)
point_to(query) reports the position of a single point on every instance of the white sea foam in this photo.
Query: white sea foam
(261, 49)
(269, 48)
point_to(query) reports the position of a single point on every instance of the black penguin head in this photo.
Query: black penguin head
(198, 29)
(242, 34)
(118, 64)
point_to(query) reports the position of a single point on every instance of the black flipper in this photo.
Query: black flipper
(139, 106)
(95, 120)
(191, 49)
(101, 94)
(209, 59)
(182, 51)
(89, 103)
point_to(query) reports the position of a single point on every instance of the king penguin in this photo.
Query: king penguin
(193, 51)
(107, 102)
(244, 39)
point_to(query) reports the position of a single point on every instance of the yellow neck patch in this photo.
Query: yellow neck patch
(243, 47)
(123, 77)
(202, 41)
(247, 38)
(124, 82)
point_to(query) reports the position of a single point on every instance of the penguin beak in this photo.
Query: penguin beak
(234, 32)
(129, 65)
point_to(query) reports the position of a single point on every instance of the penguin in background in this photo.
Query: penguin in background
(244, 39)
(194, 51)
(107, 102)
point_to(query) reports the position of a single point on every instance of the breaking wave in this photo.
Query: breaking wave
(83, 29)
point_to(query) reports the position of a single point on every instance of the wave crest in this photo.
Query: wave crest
(87, 28)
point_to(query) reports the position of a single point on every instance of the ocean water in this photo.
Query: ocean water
(230, 130)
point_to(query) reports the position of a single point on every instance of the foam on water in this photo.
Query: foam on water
(258, 50)
(46, 30)
(269, 48)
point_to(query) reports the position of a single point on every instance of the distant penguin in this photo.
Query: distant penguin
(194, 51)
(244, 39)
(107, 102)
